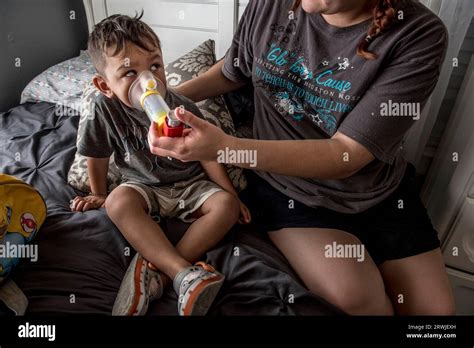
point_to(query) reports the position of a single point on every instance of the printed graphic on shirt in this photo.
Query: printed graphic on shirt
(298, 90)
(134, 139)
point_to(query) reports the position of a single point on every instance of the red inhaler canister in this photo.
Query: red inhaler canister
(172, 127)
(146, 94)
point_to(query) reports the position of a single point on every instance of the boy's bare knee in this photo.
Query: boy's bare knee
(226, 203)
(120, 201)
(114, 203)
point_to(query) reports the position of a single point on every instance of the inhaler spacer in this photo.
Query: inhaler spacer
(147, 94)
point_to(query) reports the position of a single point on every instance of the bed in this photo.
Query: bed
(81, 255)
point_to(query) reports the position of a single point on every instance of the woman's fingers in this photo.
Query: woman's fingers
(186, 131)
(162, 146)
(189, 118)
(166, 148)
(201, 143)
(153, 132)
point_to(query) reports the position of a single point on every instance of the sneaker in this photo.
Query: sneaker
(197, 287)
(141, 284)
(13, 298)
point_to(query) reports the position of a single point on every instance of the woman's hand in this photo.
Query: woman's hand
(245, 216)
(87, 203)
(200, 143)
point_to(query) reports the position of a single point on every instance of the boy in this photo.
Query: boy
(121, 48)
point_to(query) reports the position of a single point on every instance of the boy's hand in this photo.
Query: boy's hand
(245, 216)
(87, 203)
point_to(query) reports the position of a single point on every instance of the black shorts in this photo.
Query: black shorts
(387, 232)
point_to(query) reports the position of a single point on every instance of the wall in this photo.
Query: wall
(39, 33)
(181, 24)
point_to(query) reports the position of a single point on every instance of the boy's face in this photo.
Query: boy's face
(120, 71)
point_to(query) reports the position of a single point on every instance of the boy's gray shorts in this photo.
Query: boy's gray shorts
(177, 200)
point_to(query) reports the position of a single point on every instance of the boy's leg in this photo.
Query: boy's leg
(196, 286)
(215, 218)
(216, 212)
(128, 210)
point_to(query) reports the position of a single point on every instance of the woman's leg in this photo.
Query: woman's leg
(355, 287)
(419, 285)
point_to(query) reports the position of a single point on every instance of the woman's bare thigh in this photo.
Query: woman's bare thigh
(419, 285)
(351, 281)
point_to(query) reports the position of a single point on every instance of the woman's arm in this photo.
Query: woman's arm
(336, 158)
(329, 159)
(210, 84)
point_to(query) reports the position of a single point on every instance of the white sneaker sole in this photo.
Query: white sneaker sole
(132, 283)
(201, 296)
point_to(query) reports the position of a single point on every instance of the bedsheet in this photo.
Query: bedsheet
(82, 256)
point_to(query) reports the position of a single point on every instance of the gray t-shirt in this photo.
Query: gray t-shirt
(310, 83)
(116, 128)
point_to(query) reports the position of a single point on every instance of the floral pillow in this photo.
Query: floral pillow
(192, 64)
(62, 83)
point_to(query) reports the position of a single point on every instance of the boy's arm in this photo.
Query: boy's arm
(97, 169)
(217, 173)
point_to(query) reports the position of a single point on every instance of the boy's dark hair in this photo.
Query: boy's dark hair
(113, 32)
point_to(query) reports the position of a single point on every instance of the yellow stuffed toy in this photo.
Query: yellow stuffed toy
(22, 212)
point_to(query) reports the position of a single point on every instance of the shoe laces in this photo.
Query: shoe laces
(153, 283)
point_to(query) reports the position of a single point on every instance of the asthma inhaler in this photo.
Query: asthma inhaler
(146, 93)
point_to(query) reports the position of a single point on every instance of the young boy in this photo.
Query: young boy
(121, 48)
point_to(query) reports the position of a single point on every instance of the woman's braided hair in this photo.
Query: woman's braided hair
(384, 14)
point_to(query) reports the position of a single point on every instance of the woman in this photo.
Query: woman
(337, 83)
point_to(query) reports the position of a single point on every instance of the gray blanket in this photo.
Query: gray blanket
(81, 255)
